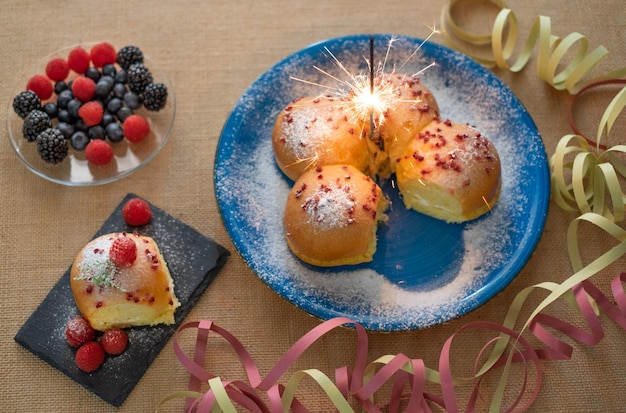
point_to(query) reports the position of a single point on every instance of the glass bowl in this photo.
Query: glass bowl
(74, 170)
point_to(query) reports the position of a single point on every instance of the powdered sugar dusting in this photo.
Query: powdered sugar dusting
(95, 251)
(329, 206)
(307, 133)
(412, 282)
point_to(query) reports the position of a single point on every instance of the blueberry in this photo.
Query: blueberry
(60, 86)
(66, 129)
(132, 100)
(109, 70)
(73, 107)
(79, 140)
(121, 76)
(115, 132)
(105, 101)
(104, 86)
(119, 90)
(80, 125)
(92, 73)
(96, 132)
(108, 78)
(51, 109)
(106, 119)
(64, 98)
(64, 116)
(114, 105)
(124, 113)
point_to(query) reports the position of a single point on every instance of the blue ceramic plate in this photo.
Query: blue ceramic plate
(425, 272)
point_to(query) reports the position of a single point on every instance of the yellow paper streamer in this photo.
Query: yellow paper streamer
(327, 385)
(594, 175)
(224, 404)
(552, 50)
(583, 178)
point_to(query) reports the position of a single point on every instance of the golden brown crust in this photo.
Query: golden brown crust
(109, 296)
(413, 109)
(445, 170)
(332, 214)
(318, 131)
(450, 171)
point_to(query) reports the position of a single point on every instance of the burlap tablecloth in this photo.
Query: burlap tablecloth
(212, 51)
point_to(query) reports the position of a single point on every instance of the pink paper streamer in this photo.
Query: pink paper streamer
(406, 376)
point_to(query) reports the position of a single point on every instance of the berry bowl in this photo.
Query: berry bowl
(77, 168)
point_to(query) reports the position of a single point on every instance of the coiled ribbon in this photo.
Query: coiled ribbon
(586, 178)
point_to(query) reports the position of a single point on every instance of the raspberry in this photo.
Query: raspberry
(78, 60)
(136, 128)
(41, 85)
(90, 356)
(78, 331)
(136, 212)
(114, 341)
(103, 54)
(98, 152)
(123, 251)
(84, 88)
(91, 113)
(57, 69)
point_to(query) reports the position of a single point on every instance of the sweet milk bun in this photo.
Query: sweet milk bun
(414, 107)
(332, 214)
(109, 296)
(318, 131)
(449, 171)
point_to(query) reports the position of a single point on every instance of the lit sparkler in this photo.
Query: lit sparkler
(369, 96)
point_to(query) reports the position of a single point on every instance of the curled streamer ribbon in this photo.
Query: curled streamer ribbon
(595, 172)
(585, 175)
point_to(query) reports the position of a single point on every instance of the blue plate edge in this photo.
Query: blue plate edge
(320, 311)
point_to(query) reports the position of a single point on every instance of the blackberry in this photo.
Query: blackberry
(155, 96)
(51, 145)
(35, 122)
(26, 102)
(139, 77)
(129, 55)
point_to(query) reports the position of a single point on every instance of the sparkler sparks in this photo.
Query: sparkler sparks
(368, 95)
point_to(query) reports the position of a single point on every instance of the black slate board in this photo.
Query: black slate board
(193, 259)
